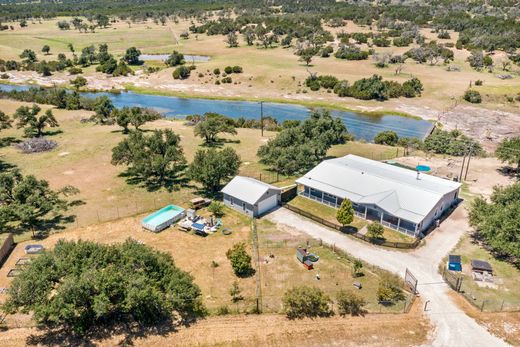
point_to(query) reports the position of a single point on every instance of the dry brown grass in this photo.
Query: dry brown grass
(275, 330)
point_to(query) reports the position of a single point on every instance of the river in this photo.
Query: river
(362, 126)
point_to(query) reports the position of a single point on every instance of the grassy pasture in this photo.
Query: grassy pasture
(274, 73)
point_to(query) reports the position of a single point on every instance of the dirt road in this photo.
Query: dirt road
(452, 326)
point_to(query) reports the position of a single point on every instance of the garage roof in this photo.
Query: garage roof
(399, 191)
(247, 189)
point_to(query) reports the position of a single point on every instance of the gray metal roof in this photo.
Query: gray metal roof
(247, 189)
(399, 191)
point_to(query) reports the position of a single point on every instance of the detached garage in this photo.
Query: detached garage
(250, 196)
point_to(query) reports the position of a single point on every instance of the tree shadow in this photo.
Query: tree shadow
(153, 184)
(7, 141)
(509, 171)
(6, 167)
(129, 331)
(53, 132)
(219, 142)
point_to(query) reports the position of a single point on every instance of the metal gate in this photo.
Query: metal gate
(410, 281)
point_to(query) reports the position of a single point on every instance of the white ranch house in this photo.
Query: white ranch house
(399, 198)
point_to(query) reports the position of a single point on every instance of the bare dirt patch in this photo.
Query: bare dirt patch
(483, 173)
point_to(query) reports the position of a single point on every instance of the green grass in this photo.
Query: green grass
(506, 278)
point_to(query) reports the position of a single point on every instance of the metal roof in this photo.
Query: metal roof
(402, 192)
(247, 189)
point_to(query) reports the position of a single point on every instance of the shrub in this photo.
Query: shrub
(75, 70)
(175, 59)
(345, 213)
(4, 76)
(216, 71)
(350, 52)
(216, 208)
(237, 69)
(381, 41)
(350, 303)
(472, 96)
(227, 80)
(228, 69)
(479, 82)
(451, 143)
(182, 72)
(375, 230)
(240, 260)
(305, 301)
(389, 289)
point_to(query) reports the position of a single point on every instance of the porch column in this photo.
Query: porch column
(366, 208)
(398, 223)
(416, 227)
(382, 214)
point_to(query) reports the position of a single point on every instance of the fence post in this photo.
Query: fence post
(502, 306)
(482, 307)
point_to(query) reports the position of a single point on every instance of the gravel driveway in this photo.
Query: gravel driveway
(452, 326)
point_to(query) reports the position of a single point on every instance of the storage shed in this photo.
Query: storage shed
(250, 196)
(481, 266)
(454, 263)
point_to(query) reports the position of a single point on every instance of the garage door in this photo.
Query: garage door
(267, 204)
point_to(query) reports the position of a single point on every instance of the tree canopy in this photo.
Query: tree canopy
(300, 147)
(496, 222)
(136, 116)
(28, 117)
(80, 285)
(345, 213)
(28, 202)
(213, 124)
(156, 159)
(211, 167)
(509, 151)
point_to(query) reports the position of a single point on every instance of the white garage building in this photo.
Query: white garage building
(250, 196)
(399, 198)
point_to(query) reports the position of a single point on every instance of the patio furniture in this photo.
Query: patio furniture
(34, 249)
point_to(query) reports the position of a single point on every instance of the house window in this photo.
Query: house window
(244, 206)
(329, 198)
(231, 201)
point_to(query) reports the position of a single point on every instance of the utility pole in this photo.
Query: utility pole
(262, 117)
(462, 168)
(467, 165)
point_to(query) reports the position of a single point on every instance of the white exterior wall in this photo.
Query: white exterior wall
(445, 203)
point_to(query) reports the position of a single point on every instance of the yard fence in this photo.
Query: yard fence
(459, 283)
(273, 304)
(351, 231)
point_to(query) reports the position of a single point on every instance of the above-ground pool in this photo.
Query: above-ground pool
(423, 168)
(163, 218)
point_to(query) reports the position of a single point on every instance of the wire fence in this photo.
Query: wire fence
(279, 278)
(467, 287)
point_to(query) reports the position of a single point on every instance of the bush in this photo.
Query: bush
(4, 76)
(345, 213)
(216, 71)
(175, 59)
(472, 96)
(389, 289)
(479, 82)
(237, 69)
(350, 52)
(375, 230)
(304, 301)
(451, 143)
(387, 137)
(182, 72)
(240, 260)
(227, 80)
(216, 208)
(228, 69)
(350, 303)
(75, 71)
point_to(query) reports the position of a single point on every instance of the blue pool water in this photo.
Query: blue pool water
(362, 126)
(423, 168)
(164, 214)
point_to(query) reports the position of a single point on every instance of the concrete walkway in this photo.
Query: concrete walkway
(452, 326)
